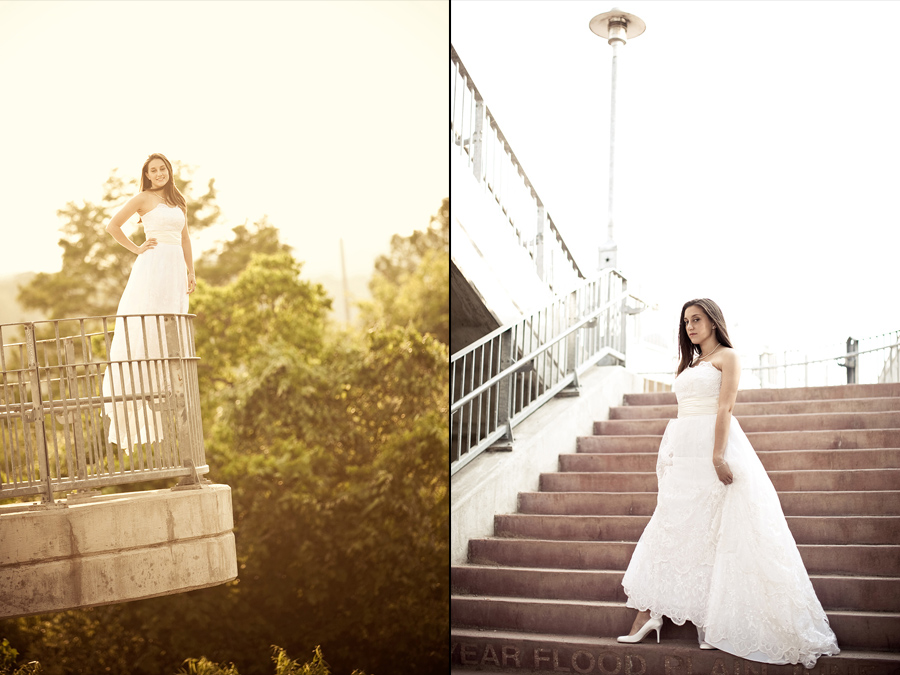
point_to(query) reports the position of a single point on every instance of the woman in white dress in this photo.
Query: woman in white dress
(160, 282)
(718, 551)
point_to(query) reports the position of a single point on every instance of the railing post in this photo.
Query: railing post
(505, 389)
(477, 146)
(539, 242)
(37, 406)
(851, 361)
(176, 369)
(622, 309)
(74, 417)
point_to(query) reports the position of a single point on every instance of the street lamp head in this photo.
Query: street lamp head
(617, 26)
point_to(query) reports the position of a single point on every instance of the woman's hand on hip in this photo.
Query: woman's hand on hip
(723, 471)
(146, 246)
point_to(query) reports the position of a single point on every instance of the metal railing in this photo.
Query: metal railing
(864, 361)
(83, 406)
(868, 360)
(498, 381)
(476, 134)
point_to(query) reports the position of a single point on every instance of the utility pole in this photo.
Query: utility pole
(616, 26)
(346, 289)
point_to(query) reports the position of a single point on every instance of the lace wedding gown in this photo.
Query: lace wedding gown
(157, 285)
(723, 557)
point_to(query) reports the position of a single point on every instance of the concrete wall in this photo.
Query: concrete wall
(490, 484)
(114, 548)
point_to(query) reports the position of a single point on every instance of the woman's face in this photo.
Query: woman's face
(158, 173)
(697, 324)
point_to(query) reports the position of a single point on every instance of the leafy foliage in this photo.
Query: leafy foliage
(221, 265)
(334, 444)
(283, 665)
(411, 285)
(8, 658)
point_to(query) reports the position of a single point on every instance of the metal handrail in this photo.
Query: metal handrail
(537, 352)
(126, 417)
(848, 357)
(470, 139)
(508, 374)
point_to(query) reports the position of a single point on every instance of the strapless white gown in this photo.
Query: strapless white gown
(157, 285)
(723, 557)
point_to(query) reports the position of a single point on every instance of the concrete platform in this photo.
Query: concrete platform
(114, 548)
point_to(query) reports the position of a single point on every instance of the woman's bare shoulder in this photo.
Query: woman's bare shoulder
(142, 202)
(727, 357)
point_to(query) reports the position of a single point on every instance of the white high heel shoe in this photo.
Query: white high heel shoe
(652, 624)
(706, 645)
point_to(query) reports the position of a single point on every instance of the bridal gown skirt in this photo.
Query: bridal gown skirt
(723, 557)
(157, 285)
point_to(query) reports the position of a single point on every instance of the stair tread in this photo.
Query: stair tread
(557, 570)
(644, 473)
(611, 642)
(601, 543)
(617, 604)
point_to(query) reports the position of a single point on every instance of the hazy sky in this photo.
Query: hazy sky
(330, 117)
(757, 150)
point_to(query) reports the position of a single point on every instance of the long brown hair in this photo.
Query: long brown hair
(173, 194)
(685, 346)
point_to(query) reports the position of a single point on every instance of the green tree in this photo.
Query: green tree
(334, 445)
(223, 263)
(411, 285)
(95, 267)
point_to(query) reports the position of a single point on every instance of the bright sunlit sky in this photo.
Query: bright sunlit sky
(758, 150)
(329, 117)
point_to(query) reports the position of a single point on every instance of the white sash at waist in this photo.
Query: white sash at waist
(164, 236)
(698, 405)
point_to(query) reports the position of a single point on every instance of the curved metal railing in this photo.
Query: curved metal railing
(75, 416)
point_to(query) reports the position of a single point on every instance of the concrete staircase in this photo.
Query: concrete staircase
(545, 594)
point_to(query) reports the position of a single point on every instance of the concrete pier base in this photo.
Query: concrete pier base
(114, 548)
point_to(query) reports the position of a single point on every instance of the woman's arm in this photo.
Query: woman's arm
(188, 257)
(731, 374)
(115, 225)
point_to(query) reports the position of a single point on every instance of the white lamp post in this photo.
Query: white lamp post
(617, 27)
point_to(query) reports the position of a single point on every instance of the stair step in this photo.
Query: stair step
(848, 405)
(772, 460)
(824, 559)
(758, 423)
(859, 630)
(805, 529)
(835, 439)
(874, 594)
(787, 481)
(807, 503)
(842, 391)
(502, 650)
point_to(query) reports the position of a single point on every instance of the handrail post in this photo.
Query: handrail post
(505, 390)
(176, 368)
(539, 238)
(622, 343)
(573, 341)
(477, 146)
(851, 361)
(37, 406)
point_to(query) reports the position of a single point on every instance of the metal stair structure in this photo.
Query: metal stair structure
(544, 593)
